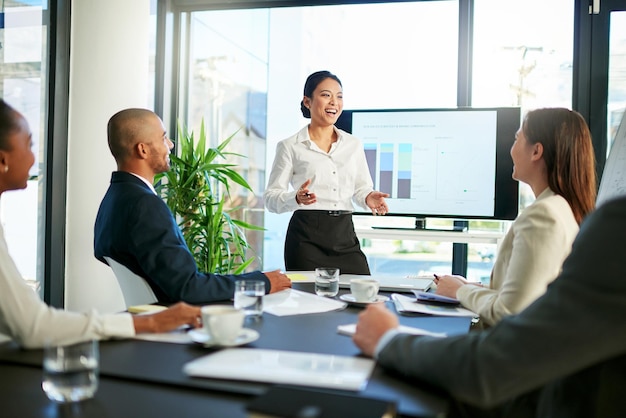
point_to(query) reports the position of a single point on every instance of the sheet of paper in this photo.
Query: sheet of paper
(296, 302)
(406, 304)
(178, 336)
(286, 367)
(350, 329)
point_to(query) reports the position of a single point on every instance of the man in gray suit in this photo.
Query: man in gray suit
(563, 356)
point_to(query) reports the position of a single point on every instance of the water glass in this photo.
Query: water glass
(70, 372)
(249, 297)
(327, 281)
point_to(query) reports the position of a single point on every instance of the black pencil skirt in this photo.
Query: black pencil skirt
(322, 238)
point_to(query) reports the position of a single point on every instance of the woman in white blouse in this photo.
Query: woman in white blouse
(327, 172)
(553, 154)
(23, 316)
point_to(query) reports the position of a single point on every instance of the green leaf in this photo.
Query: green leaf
(195, 189)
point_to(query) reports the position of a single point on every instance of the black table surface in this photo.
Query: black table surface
(159, 365)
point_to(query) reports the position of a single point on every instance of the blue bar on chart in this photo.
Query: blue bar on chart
(404, 170)
(386, 168)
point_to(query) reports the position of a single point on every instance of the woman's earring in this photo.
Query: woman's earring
(6, 168)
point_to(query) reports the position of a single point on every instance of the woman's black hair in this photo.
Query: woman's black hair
(311, 84)
(8, 123)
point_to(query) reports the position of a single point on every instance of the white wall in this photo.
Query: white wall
(108, 72)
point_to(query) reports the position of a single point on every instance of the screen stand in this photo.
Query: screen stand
(420, 225)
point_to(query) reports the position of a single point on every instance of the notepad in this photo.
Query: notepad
(136, 309)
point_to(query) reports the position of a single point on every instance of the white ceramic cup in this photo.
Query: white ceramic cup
(222, 323)
(364, 290)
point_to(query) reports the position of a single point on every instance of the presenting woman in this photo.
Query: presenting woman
(553, 154)
(327, 171)
(23, 316)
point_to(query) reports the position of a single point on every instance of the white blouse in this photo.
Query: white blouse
(25, 318)
(338, 177)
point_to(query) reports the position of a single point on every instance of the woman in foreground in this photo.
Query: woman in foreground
(23, 316)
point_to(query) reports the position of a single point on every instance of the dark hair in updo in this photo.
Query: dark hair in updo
(8, 124)
(311, 84)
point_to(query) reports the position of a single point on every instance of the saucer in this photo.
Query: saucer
(350, 299)
(246, 336)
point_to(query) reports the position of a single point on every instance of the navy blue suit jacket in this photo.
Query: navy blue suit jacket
(136, 228)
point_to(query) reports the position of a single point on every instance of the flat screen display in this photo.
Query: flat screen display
(451, 163)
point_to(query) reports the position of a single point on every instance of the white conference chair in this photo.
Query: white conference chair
(135, 289)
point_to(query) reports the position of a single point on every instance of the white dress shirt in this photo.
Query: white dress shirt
(25, 318)
(338, 177)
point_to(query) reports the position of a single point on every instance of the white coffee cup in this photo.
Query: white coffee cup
(222, 323)
(364, 290)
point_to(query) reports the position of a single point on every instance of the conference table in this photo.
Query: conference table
(146, 378)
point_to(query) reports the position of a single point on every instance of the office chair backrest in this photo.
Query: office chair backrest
(135, 289)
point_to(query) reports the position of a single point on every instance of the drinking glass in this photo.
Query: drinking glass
(327, 281)
(249, 297)
(70, 372)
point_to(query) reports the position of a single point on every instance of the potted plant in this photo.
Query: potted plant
(196, 189)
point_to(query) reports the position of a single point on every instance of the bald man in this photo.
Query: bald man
(137, 229)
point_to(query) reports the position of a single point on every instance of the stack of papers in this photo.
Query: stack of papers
(410, 305)
(287, 367)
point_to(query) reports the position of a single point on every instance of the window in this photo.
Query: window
(247, 68)
(23, 41)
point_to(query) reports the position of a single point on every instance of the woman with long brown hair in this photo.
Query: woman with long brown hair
(553, 154)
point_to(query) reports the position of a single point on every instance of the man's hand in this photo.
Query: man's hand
(169, 319)
(373, 323)
(278, 281)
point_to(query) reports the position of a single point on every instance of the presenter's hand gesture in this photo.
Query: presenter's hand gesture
(373, 323)
(304, 195)
(376, 202)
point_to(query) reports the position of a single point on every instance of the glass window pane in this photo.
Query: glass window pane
(247, 68)
(23, 80)
(526, 60)
(516, 66)
(617, 74)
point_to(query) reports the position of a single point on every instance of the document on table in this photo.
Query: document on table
(286, 367)
(296, 302)
(350, 329)
(178, 336)
(409, 305)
